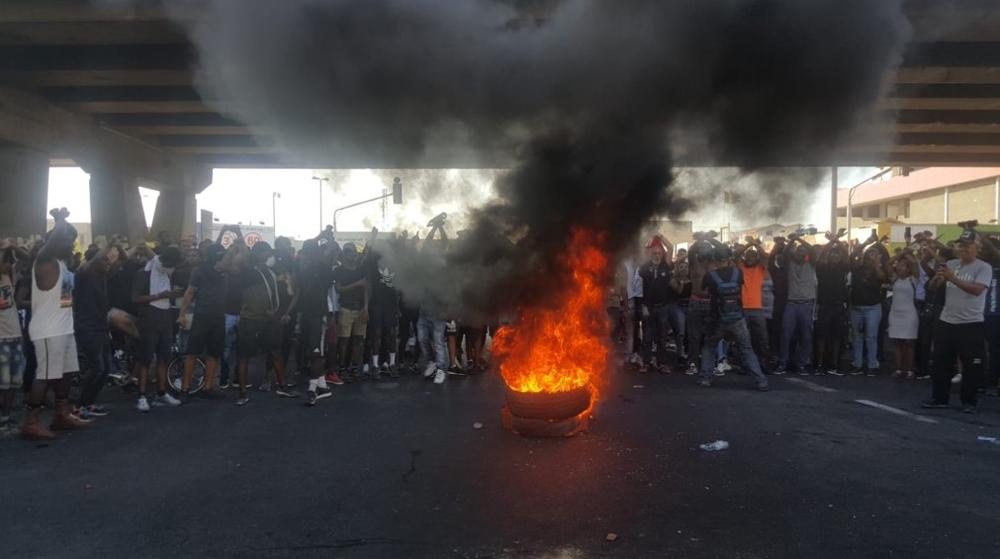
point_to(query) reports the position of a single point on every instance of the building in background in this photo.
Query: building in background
(927, 196)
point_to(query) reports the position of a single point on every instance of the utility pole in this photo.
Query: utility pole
(834, 185)
(396, 194)
(274, 213)
(321, 180)
(850, 197)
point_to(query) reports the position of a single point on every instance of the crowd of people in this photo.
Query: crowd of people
(217, 306)
(924, 311)
(333, 311)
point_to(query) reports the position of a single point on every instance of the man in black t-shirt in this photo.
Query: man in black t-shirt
(657, 295)
(207, 330)
(90, 323)
(286, 274)
(726, 320)
(384, 317)
(351, 282)
(831, 298)
(315, 279)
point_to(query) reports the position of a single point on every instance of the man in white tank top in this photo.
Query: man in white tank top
(51, 330)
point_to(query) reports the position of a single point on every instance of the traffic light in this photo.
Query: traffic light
(397, 191)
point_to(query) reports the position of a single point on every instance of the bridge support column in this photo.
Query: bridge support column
(115, 205)
(24, 191)
(175, 213)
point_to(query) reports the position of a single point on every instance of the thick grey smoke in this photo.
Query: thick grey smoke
(774, 194)
(577, 97)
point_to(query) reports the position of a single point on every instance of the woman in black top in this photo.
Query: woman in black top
(867, 278)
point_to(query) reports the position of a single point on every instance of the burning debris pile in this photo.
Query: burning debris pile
(579, 99)
(553, 358)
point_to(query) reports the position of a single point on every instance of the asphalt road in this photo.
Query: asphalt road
(396, 469)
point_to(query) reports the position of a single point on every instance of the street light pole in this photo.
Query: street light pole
(321, 180)
(396, 194)
(850, 197)
(274, 213)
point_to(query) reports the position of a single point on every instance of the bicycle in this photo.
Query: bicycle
(122, 360)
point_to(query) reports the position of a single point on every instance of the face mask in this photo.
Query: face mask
(270, 262)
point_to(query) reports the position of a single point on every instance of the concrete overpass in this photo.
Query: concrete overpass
(109, 87)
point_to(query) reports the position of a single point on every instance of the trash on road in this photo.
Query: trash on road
(611, 536)
(638, 386)
(983, 439)
(477, 425)
(715, 445)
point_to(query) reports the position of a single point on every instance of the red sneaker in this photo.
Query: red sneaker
(334, 378)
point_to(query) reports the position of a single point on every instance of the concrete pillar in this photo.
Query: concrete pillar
(175, 212)
(24, 192)
(115, 206)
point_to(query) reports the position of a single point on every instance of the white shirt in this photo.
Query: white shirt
(633, 281)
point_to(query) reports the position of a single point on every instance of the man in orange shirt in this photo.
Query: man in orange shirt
(754, 267)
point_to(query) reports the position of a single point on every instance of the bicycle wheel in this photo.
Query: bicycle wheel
(175, 372)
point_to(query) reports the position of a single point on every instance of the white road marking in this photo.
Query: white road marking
(896, 411)
(811, 385)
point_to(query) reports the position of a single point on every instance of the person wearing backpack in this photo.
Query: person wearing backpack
(726, 319)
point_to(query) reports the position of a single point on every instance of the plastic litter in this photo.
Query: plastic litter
(477, 425)
(993, 440)
(611, 537)
(715, 445)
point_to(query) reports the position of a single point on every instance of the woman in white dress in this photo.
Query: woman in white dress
(903, 317)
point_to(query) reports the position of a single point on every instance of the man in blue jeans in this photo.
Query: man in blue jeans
(701, 259)
(797, 322)
(726, 319)
(431, 328)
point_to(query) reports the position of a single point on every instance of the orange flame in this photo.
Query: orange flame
(562, 347)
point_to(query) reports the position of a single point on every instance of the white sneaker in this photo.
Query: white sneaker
(439, 376)
(142, 405)
(177, 384)
(431, 367)
(167, 400)
(724, 366)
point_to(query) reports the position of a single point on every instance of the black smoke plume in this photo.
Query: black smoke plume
(576, 97)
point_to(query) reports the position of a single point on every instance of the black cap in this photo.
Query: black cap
(214, 252)
(723, 252)
(967, 236)
(261, 247)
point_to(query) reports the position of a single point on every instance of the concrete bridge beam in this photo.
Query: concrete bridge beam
(24, 186)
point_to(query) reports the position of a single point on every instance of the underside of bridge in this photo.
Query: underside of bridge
(109, 86)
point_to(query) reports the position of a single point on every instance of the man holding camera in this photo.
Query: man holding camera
(960, 329)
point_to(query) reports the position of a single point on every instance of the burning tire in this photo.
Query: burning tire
(548, 406)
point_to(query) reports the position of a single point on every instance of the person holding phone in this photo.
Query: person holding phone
(868, 274)
(152, 292)
(960, 330)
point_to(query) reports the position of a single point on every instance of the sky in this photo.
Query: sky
(290, 198)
